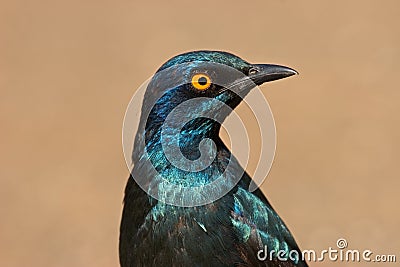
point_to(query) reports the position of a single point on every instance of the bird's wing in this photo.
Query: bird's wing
(259, 226)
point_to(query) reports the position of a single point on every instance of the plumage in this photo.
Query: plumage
(226, 232)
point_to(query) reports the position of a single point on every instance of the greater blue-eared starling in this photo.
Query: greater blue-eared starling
(229, 231)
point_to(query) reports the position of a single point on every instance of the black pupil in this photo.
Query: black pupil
(202, 81)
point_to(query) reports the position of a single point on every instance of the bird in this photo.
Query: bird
(227, 231)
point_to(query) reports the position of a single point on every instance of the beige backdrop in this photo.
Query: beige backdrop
(69, 68)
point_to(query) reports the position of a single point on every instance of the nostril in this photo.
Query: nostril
(253, 71)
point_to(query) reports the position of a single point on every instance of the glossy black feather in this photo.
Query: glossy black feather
(227, 232)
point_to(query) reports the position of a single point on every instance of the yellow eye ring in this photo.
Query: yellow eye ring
(201, 81)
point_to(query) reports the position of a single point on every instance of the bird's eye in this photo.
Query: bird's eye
(201, 81)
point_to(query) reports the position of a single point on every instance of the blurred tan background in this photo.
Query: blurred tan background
(69, 68)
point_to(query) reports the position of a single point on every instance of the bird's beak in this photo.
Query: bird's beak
(261, 73)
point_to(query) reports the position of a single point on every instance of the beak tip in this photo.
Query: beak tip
(291, 71)
(269, 72)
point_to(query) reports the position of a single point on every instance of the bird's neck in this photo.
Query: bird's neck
(191, 147)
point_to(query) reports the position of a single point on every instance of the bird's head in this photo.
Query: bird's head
(216, 75)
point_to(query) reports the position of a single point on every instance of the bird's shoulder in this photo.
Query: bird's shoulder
(227, 232)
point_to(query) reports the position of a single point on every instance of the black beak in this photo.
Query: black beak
(261, 73)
